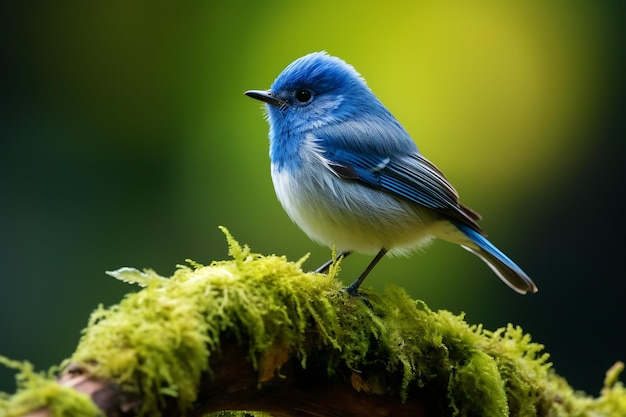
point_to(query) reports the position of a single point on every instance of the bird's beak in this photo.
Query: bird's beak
(267, 97)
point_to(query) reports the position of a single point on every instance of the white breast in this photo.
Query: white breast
(344, 213)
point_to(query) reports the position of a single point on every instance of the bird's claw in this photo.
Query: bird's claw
(354, 292)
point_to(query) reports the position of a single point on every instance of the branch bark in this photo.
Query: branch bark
(234, 385)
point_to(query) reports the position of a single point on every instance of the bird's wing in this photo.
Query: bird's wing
(410, 176)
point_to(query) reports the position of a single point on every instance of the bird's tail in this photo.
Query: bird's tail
(502, 265)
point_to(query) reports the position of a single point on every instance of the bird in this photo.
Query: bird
(351, 177)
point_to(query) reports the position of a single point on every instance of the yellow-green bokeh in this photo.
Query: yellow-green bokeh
(508, 83)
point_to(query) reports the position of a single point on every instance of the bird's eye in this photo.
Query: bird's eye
(303, 96)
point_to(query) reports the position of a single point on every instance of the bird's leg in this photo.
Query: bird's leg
(328, 263)
(353, 289)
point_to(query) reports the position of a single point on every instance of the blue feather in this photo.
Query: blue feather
(411, 177)
(502, 265)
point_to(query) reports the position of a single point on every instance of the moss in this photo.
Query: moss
(157, 342)
(612, 401)
(159, 339)
(37, 391)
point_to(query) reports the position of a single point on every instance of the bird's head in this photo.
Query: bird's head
(314, 91)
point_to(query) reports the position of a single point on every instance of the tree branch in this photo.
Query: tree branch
(257, 333)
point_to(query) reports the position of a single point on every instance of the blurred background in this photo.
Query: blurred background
(126, 140)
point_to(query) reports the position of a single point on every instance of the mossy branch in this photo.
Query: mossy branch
(257, 333)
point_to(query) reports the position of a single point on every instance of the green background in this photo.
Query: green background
(126, 140)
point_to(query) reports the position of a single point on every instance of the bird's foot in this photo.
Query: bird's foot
(353, 290)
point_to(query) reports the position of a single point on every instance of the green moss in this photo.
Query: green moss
(160, 338)
(36, 391)
(158, 342)
(612, 401)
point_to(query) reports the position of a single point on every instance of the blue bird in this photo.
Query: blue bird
(349, 175)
